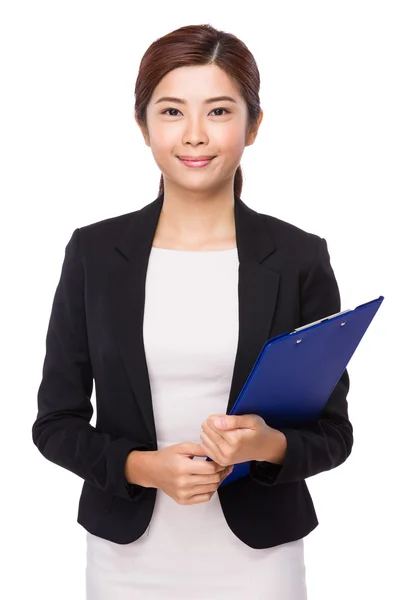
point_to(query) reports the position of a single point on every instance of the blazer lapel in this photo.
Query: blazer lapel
(257, 292)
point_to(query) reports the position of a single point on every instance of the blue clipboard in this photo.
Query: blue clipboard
(295, 373)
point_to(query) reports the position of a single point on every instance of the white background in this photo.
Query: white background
(330, 157)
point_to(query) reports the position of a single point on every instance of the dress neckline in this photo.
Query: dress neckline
(194, 251)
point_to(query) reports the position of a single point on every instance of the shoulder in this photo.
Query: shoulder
(97, 239)
(294, 242)
(106, 227)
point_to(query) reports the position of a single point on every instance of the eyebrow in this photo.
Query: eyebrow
(208, 101)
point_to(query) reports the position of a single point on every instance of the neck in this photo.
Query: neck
(196, 216)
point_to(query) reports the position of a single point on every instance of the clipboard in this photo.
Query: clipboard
(296, 372)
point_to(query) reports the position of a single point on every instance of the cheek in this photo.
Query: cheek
(235, 142)
(164, 138)
(163, 146)
(231, 142)
(164, 156)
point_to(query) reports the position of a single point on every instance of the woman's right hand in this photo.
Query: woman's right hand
(187, 481)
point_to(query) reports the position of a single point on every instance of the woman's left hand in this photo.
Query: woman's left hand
(241, 438)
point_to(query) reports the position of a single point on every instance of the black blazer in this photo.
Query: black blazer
(95, 333)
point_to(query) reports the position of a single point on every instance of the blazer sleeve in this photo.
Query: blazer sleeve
(62, 430)
(326, 443)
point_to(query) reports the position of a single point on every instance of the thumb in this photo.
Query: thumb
(234, 421)
(192, 449)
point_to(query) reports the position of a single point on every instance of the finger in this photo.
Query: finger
(223, 439)
(192, 449)
(211, 447)
(229, 434)
(212, 432)
(206, 467)
(218, 445)
(248, 421)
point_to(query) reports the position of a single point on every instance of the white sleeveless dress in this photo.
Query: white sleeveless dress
(190, 335)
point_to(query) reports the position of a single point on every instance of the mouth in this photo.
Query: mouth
(196, 162)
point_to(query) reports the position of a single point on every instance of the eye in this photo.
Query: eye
(225, 109)
(176, 109)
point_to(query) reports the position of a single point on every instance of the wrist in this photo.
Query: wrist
(275, 447)
(138, 468)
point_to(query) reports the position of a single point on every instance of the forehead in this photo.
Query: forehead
(196, 83)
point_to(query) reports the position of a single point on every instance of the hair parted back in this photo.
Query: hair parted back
(199, 45)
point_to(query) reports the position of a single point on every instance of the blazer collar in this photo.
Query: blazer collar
(254, 240)
(257, 293)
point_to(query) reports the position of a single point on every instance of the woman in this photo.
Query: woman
(166, 309)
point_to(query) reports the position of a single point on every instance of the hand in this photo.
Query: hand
(242, 438)
(187, 481)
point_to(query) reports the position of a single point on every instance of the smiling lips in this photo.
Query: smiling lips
(196, 161)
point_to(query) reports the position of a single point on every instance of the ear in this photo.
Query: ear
(144, 131)
(253, 131)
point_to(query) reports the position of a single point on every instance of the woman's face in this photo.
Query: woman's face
(192, 126)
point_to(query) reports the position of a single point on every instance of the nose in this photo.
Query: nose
(195, 132)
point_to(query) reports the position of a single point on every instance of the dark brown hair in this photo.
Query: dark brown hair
(199, 45)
